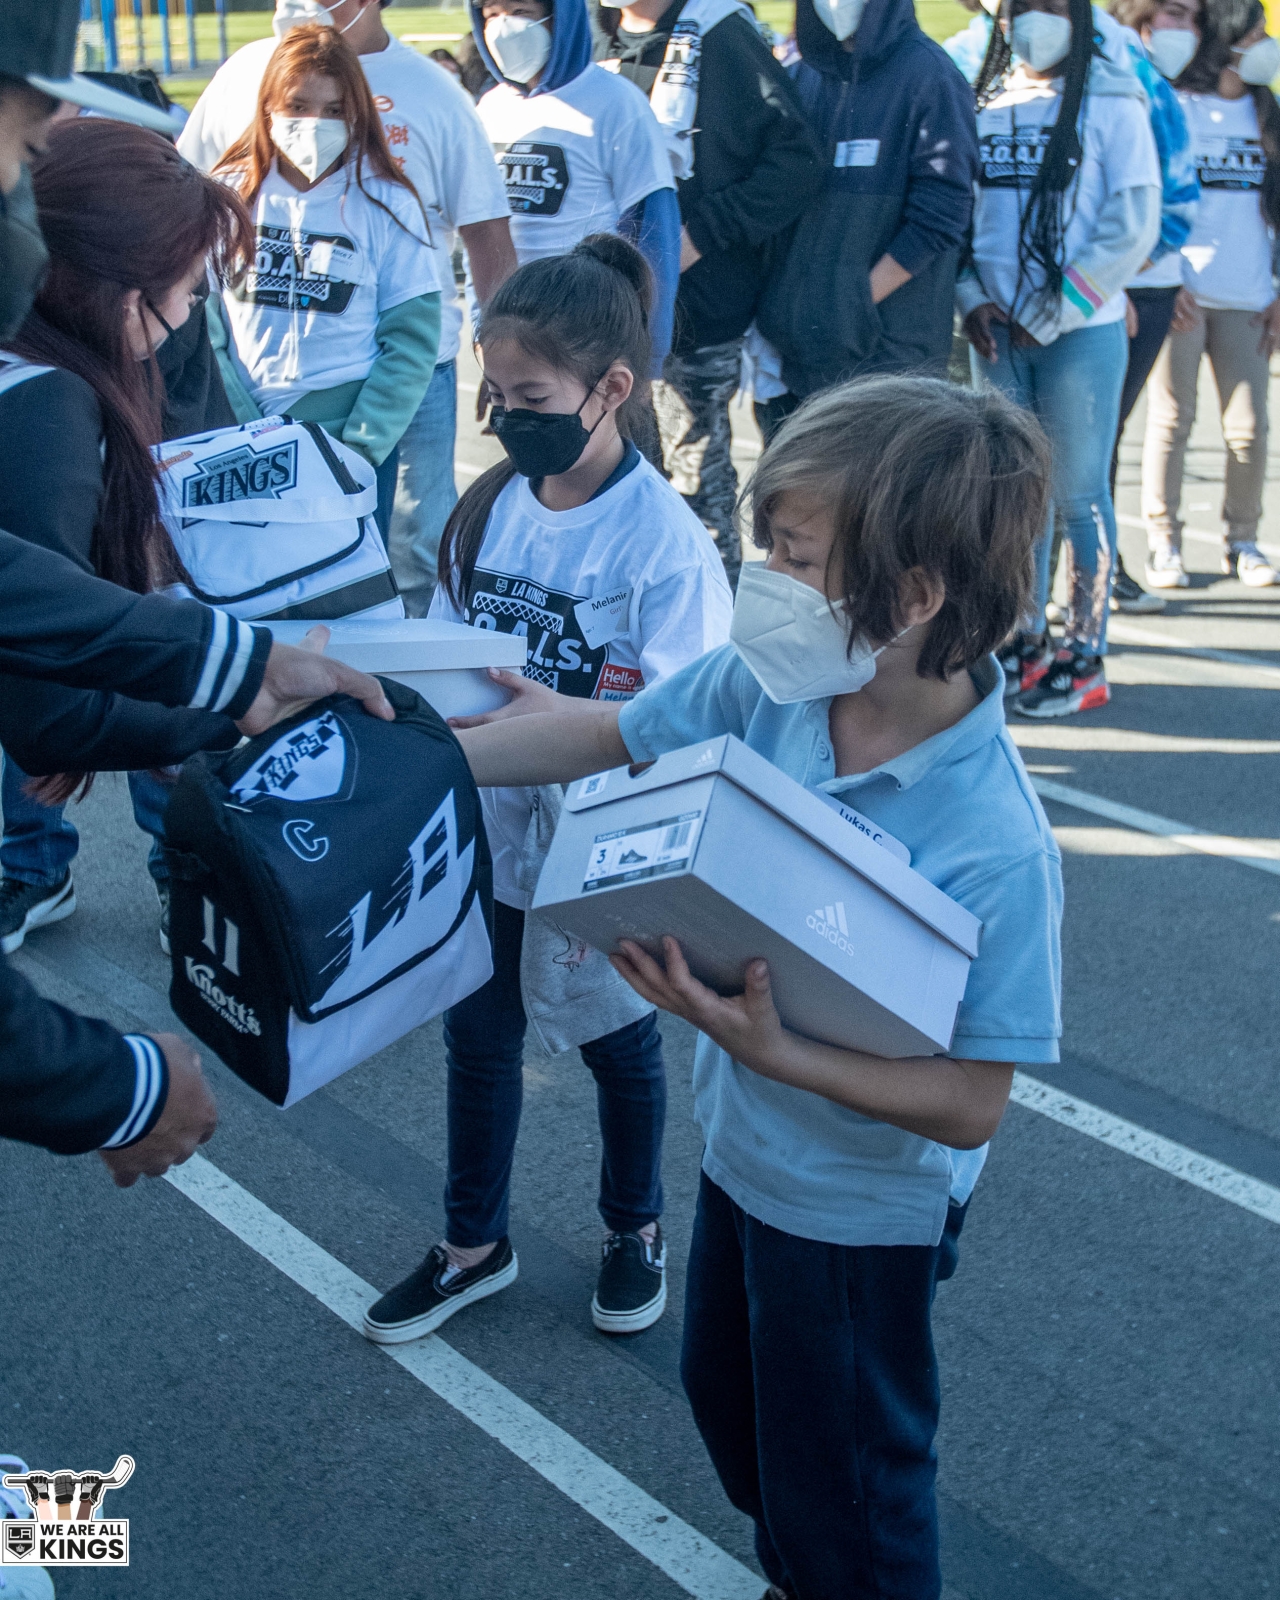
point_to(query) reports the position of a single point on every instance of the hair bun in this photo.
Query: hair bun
(611, 251)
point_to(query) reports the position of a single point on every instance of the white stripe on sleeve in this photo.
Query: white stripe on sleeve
(240, 649)
(150, 1065)
(213, 660)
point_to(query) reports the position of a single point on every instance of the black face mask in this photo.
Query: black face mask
(543, 444)
(23, 257)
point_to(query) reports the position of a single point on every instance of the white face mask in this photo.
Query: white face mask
(840, 16)
(313, 144)
(1170, 49)
(292, 13)
(520, 45)
(1040, 39)
(991, 7)
(1260, 62)
(794, 641)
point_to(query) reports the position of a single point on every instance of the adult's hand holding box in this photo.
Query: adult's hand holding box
(717, 847)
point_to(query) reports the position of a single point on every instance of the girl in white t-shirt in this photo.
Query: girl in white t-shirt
(1227, 308)
(337, 320)
(1066, 208)
(581, 547)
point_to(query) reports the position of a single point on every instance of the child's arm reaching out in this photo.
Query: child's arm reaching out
(545, 746)
(958, 1103)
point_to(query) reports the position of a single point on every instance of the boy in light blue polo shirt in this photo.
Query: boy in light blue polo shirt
(900, 517)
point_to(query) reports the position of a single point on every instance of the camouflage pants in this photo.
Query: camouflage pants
(692, 404)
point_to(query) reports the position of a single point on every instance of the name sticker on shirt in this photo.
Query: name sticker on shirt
(865, 826)
(649, 850)
(603, 617)
(327, 256)
(857, 152)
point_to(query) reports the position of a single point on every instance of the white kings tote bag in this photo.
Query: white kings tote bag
(273, 521)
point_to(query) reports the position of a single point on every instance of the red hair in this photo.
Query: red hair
(121, 210)
(312, 49)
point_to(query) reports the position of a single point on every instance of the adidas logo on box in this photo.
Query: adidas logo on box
(828, 922)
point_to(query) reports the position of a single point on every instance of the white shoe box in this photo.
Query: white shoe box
(717, 847)
(445, 662)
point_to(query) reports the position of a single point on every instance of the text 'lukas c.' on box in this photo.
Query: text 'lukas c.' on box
(717, 847)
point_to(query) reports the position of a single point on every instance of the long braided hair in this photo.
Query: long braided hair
(1040, 239)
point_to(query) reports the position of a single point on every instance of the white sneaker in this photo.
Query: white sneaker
(1247, 562)
(1164, 569)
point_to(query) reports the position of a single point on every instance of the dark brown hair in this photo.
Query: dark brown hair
(918, 473)
(315, 49)
(1223, 23)
(579, 313)
(120, 209)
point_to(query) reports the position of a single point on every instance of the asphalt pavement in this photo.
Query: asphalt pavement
(1108, 1345)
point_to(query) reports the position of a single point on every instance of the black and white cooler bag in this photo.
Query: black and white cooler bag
(331, 889)
(274, 522)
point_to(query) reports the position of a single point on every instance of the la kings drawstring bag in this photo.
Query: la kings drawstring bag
(273, 521)
(331, 889)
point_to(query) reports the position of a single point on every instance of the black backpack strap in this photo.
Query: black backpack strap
(336, 465)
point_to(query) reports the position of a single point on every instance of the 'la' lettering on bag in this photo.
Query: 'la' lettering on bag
(331, 890)
(274, 521)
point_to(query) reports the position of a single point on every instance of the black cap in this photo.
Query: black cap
(38, 43)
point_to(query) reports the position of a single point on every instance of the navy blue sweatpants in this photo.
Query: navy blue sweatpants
(811, 1372)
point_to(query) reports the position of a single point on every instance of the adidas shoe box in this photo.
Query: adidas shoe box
(445, 662)
(717, 847)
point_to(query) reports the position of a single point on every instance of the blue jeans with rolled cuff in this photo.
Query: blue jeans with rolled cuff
(1073, 387)
(811, 1372)
(39, 843)
(484, 1044)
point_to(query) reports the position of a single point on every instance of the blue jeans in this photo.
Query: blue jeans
(150, 796)
(39, 843)
(813, 1381)
(1073, 387)
(484, 1043)
(426, 493)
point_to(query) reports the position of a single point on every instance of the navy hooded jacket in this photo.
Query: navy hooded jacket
(895, 121)
(653, 226)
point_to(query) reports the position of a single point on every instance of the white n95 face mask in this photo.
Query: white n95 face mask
(313, 144)
(1260, 63)
(1170, 49)
(520, 45)
(840, 16)
(293, 13)
(794, 641)
(1040, 39)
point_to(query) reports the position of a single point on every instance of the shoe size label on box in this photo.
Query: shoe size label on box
(648, 851)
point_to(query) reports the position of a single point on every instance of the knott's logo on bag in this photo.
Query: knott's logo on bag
(65, 1529)
(242, 474)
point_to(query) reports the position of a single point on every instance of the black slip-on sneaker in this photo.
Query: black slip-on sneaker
(631, 1292)
(431, 1294)
(24, 906)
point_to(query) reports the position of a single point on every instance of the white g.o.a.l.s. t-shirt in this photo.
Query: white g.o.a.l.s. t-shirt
(574, 159)
(1013, 134)
(432, 130)
(328, 262)
(613, 595)
(1226, 263)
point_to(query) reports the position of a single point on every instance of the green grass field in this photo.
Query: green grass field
(424, 26)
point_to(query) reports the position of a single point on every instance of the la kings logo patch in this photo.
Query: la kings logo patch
(242, 474)
(1230, 163)
(536, 176)
(311, 762)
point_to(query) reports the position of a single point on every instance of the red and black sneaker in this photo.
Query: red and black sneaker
(1072, 683)
(1025, 660)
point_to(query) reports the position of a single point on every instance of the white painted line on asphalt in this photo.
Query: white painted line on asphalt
(1136, 633)
(1198, 535)
(1212, 1176)
(688, 1557)
(1062, 735)
(1261, 854)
